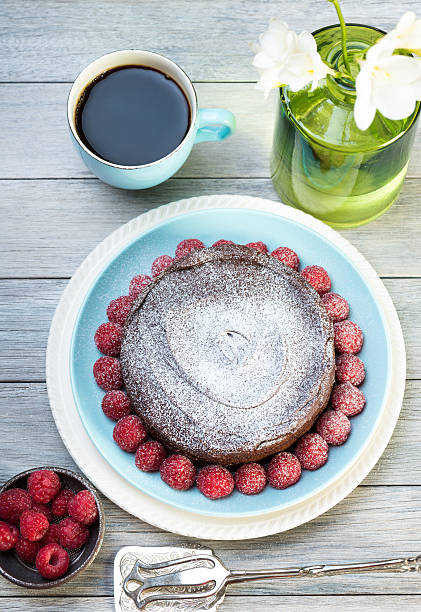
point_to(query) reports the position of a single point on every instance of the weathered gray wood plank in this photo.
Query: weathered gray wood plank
(231, 603)
(372, 523)
(48, 227)
(54, 40)
(27, 307)
(28, 402)
(33, 126)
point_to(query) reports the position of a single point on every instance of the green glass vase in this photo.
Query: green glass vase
(321, 162)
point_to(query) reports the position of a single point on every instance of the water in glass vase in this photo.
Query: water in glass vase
(321, 162)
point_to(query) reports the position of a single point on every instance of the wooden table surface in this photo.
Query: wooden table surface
(53, 212)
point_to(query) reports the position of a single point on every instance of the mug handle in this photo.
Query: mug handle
(214, 124)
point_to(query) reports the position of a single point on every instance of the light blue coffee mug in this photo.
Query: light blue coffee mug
(207, 124)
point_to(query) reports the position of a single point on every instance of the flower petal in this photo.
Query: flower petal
(394, 103)
(405, 22)
(401, 69)
(364, 113)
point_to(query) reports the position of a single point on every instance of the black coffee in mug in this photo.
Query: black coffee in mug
(132, 115)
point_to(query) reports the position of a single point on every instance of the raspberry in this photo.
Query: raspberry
(52, 535)
(108, 339)
(44, 509)
(43, 486)
(318, 278)
(258, 246)
(187, 246)
(215, 481)
(348, 337)
(8, 536)
(82, 507)
(116, 405)
(287, 256)
(12, 503)
(138, 284)
(52, 561)
(59, 505)
(129, 433)
(250, 478)
(72, 534)
(284, 470)
(334, 427)
(149, 456)
(160, 264)
(349, 368)
(348, 399)
(33, 525)
(222, 242)
(26, 550)
(311, 451)
(119, 308)
(336, 306)
(178, 472)
(107, 373)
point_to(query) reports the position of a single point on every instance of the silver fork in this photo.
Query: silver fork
(211, 579)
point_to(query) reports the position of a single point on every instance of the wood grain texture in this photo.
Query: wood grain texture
(54, 40)
(48, 227)
(391, 603)
(27, 308)
(37, 113)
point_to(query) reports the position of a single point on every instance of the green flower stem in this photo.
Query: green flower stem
(343, 30)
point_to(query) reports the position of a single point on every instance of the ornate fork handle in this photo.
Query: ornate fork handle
(410, 564)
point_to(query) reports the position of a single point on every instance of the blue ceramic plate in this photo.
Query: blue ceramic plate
(241, 226)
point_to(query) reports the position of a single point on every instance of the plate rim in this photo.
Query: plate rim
(58, 369)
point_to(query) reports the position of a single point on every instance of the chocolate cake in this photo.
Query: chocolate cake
(228, 355)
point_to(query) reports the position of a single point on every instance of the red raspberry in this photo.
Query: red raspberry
(107, 373)
(72, 534)
(108, 339)
(250, 478)
(287, 256)
(43, 486)
(149, 456)
(82, 507)
(215, 481)
(129, 433)
(26, 550)
(312, 451)
(119, 308)
(348, 337)
(178, 472)
(52, 561)
(160, 264)
(284, 470)
(59, 505)
(52, 535)
(258, 246)
(187, 246)
(8, 536)
(44, 509)
(222, 242)
(348, 399)
(12, 503)
(318, 278)
(138, 284)
(116, 405)
(349, 368)
(33, 525)
(334, 427)
(336, 306)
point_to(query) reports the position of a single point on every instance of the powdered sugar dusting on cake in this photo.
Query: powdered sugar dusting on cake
(227, 353)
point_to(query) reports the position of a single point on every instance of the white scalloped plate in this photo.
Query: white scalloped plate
(156, 512)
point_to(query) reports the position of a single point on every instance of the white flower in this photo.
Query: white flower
(283, 58)
(388, 83)
(407, 34)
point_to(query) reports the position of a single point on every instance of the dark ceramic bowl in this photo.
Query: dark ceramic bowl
(15, 570)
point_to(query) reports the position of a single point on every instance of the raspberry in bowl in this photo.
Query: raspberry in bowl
(41, 550)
